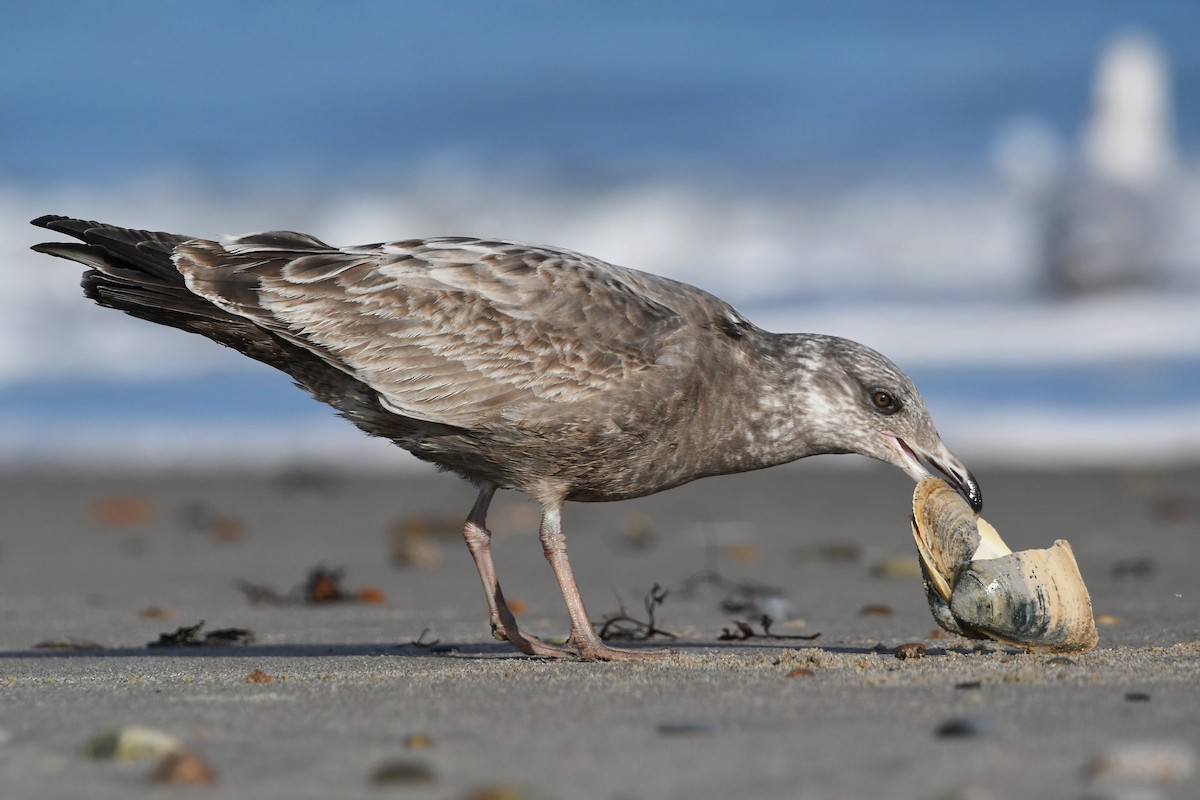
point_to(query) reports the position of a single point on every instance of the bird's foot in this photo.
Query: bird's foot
(597, 650)
(529, 644)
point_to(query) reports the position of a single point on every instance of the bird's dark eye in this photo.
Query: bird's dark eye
(884, 402)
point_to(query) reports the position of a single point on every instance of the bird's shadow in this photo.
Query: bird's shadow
(306, 650)
(471, 650)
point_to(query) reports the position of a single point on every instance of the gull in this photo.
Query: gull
(522, 367)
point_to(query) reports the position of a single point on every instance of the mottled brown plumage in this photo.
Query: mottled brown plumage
(520, 366)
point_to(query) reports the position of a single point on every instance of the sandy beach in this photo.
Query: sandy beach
(399, 690)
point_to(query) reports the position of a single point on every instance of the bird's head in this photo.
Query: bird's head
(860, 402)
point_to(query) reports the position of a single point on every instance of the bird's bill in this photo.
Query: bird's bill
(917, 463)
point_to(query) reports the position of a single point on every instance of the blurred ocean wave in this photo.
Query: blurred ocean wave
(938, 277)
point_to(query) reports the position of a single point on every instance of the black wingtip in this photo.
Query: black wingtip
(47, 220)
(59, 249)
(62, 224)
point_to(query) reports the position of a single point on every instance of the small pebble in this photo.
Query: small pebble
(418, 741)
(1137, 697)
(371, 595)
(518, 606)
(969, 685)
(1171, 508)
(1122, 791)
(966, 727)
(1061, 661)
(911, 650)
(156, 612)
(68, 644)
(130, 743)
(777, 607)
(225, 529)
(800, 672)
(688, 728)
(637, 531)
(414, 544)
(403, 772)
(1133, 568)
(830, 553)
(897, 567)
(183, 767)
(498, 792)
(258, 676)
(875, 610)
(117, 512)
(744, 553)
(1147, 763)
(968, 793)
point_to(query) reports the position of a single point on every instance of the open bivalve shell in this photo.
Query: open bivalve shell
(978, 587)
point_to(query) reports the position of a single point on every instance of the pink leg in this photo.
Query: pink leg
(504, 624)
(583, 635)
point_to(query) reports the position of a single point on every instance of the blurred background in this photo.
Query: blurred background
(1004, 200)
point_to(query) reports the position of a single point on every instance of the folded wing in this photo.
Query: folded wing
(457, 331)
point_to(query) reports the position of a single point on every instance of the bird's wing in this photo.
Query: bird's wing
(456, 331)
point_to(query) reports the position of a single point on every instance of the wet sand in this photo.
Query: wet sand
(118, 559)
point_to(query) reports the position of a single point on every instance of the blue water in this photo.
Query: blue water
(1133, 388)
(359, 91)
(798, 156)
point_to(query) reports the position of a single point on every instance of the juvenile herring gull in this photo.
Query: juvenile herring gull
(521, 367)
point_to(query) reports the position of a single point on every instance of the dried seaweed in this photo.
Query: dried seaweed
(744, 630)
(183, 636)
(433, 645)
(420, 640)
(622, 627)
(224, 637)
(189, 636)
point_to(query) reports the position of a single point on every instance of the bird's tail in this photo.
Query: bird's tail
(129, 270)
(133, 271)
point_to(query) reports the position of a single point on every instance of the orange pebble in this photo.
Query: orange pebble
(744, 553)
(113, 512)
(258, 676)
(226, 529)
(183, 767)
(370, 594)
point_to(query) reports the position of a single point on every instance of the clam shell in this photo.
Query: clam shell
(1034, 599)
(978, 587)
